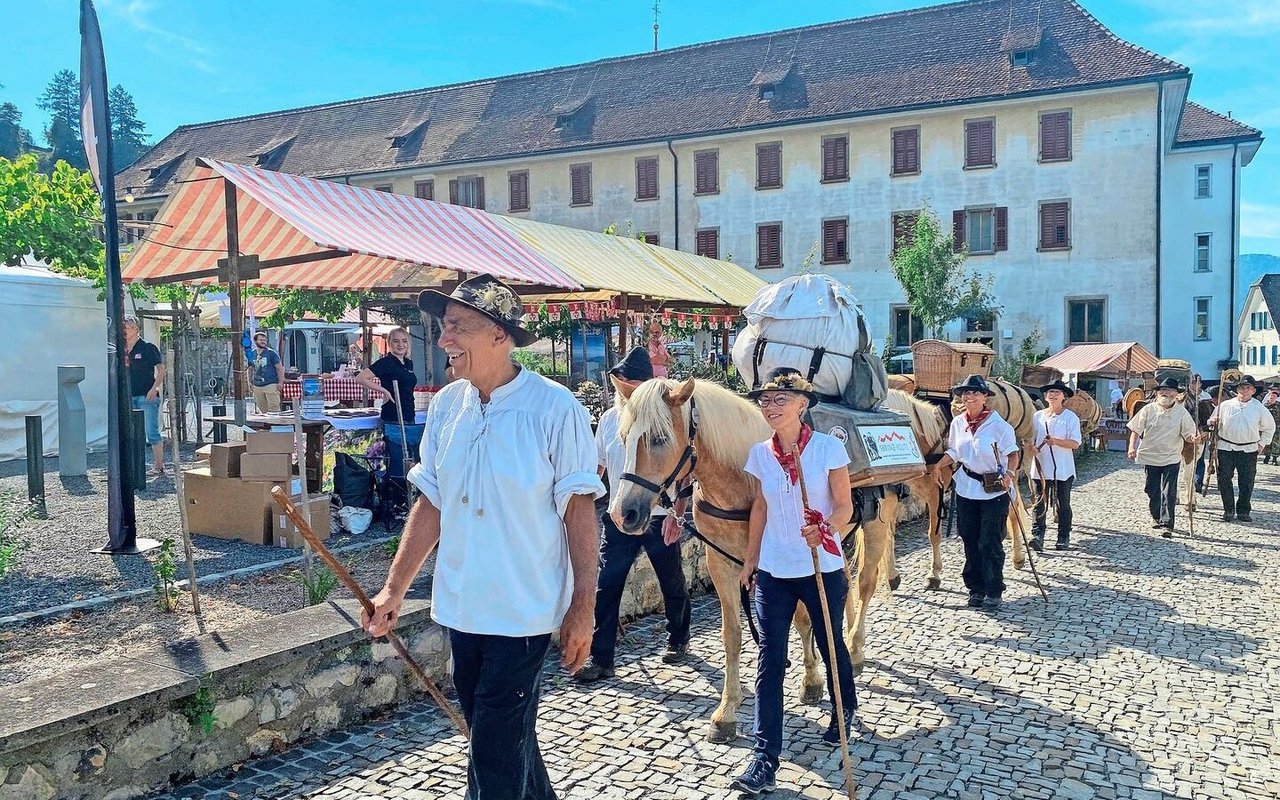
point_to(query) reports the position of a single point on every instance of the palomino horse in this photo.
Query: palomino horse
(663, 423)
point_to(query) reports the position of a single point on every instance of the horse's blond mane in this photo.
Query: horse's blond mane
(728, 424)
(926, 419)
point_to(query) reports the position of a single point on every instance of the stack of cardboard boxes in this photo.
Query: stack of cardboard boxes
(231, 497)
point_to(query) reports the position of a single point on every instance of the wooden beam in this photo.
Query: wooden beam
(233, 293)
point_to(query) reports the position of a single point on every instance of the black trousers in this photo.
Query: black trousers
(1059, 492)
(618, 552)
(1162, 492)
(981, 525)
(499, 680)
(1230, 464)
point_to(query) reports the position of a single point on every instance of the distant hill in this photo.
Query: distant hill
(1252, 267)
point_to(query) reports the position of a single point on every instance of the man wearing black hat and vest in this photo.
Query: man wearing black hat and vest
(508, 480)
(1156, 434)
(1244, 427)
(983, 481)
(618, 550)
(1057, 436)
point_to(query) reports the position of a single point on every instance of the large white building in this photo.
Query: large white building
(1081, 178)
(1259, 341)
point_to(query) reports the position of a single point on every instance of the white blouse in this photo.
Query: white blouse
(783, 551)
(502, 474)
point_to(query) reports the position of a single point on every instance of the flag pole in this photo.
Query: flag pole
(95, 131)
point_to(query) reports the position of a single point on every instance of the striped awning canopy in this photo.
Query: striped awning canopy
(1104, 360)
(317, 234)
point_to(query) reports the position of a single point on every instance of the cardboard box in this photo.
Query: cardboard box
(285, 534)
(224, 459)
(202, 454)
(268, 442)
(227, 508)
(273, 467)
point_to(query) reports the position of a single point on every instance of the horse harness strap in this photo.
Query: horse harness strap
(689, 456)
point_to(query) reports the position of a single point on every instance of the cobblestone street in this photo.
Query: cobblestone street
(1152, 672)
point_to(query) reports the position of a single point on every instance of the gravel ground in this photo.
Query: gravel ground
(56, 567)
(47, 648)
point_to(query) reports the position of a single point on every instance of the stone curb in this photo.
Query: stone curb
(27, 617)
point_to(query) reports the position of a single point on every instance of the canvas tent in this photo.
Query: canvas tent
(52, 320)
(1117, 360)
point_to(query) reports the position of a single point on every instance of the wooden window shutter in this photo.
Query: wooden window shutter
(453, 191)
(957, 230)
(1001, 216)
(707, 243)
(904, 230)
(769, 165)
(518, 186)
(1055, 226)
(769, 245)
(651, 238)
(835, 158)
(707, 172)
(1055, 136)
(835, 245)
(425, 190)
(979, 143)
(646, 178)
(479, 193)
(580, 184)
(906, 151)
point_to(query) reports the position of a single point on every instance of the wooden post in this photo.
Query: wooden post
(366, 349)
(300, 449)
(199, 359)
(35, 464)
(235, 300)
(624, 302)
(180, 489)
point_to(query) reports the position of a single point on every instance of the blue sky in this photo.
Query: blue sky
(187, 61)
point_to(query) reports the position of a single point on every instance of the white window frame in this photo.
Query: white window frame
(1208, 253)
(1208, 318)
(1208, 178)
(971, 214)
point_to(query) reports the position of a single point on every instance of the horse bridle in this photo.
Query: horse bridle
(689, 457)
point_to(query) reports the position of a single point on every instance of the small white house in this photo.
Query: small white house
(1259, 340)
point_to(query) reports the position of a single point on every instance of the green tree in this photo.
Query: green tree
(61, 99)
(938, 287)
(128, 133)
(50, 216)
(14, 139)
(298, 304)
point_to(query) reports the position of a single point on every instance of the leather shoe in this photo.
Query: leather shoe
(592, 672)
(991, 603)
(675, 653)
(975, 601)
(1037, 545)
(1228, 517)
(1245, 518)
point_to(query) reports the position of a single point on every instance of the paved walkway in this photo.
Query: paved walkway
(1153, 672)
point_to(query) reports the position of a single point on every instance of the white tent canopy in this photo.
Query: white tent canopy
(52, 321)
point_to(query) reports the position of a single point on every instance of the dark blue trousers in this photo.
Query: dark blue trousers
(776, 600)
(981, 524)
(1162, 492)
(499, 680)
(618, 552)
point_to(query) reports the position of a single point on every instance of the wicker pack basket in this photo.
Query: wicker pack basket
(940, 365)
(1035, 376)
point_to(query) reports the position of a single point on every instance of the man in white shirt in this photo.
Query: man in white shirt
(618, 550)
(1244, 427)
(1156, 434)
(508, 480)
(1057, 436)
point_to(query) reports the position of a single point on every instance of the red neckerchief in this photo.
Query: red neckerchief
(973, 424)
(788, 460)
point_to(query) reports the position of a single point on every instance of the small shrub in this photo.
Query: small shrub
(198, 709)
(12, 514)
(164, 570)
(392, 546)
(319, 586)
(591, 395)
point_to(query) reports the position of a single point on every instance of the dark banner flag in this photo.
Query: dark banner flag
(95, 128)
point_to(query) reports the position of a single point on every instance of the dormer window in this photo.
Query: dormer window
(563, 121)
(766, 91)
(161, 173)
(409, 134)
(1023, 58)
(273, 156)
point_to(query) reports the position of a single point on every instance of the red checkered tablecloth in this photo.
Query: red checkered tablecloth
(342, 390)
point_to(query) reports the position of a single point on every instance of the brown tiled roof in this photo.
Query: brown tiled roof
(1200, 125)
(912, 59)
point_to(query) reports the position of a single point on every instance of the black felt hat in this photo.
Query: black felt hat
(1169, 383)
(973, 383)
(487, 295)
(1060, 386)
(636, 366)
(1245, 379)
(786, 379)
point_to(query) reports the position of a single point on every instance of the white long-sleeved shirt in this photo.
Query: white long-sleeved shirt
(1243, 427)
(502, 474)
(973, 450)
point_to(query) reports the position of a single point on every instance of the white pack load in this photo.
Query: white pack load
(812, 323)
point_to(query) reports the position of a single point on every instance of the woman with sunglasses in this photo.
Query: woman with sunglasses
(779, 562)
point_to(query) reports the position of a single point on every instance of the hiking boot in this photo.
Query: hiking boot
(592, 672)
(1037, 544)
(1245, 518)
(991, 604)
(1228, 517)
(832, 734)
(975, 601)
(675, 653)
(1167, 533)
(1157, 525)
(759, 777)
(1063, 543)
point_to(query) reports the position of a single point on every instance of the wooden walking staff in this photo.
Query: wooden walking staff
(300, 449)
(179, 488)
(1015, 501)
(850, 788)
(340, 571)
(404, 445)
